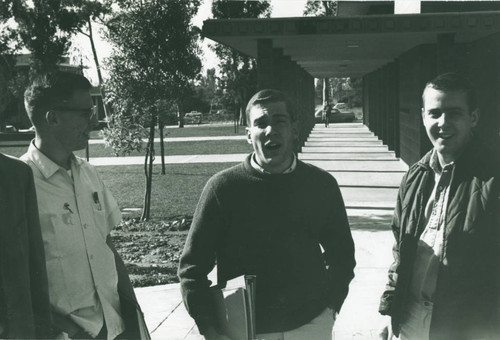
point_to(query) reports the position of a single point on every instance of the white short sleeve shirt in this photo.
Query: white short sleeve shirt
(77, 213)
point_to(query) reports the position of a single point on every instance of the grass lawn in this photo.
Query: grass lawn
(174, 194)
(205, 130)
(151, 249)
(174, 148)
(180, 148)
(195, 131)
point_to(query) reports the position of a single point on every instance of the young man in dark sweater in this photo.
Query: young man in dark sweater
(270, 216)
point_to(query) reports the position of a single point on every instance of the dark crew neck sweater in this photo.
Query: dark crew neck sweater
(271, 226)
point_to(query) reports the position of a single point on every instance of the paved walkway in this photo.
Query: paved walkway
(176, 159)
(368, 175)
(369, 189)
(182, 139)
(157, 140)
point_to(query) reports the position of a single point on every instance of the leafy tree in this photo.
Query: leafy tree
(92, 11)
(7, 62)
(320, 8)
(45, 27)
(346, 90)
(42, 27)
(154, 60)
(238, 72)
(207, 89)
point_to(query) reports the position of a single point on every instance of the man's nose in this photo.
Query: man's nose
(443, 119)
(270, 129)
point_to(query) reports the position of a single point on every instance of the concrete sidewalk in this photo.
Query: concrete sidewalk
(369, 190)
(181, 139)
(167, 318)
(176, 159)
(156, 140)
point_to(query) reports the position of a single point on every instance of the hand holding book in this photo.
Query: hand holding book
(235, 310)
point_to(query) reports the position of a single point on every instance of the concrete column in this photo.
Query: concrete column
(265, 69)
(378, 102)
(305, 103)
(395, 106)
(278, 68)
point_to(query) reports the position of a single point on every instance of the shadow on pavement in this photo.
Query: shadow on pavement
(372, 222)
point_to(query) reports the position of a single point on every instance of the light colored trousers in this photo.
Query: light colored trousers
(319, 328)
(417, 321)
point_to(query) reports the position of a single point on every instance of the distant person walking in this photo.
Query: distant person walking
(24, 296)
(327, 111)
(90, 292)
(444, 283)
(270, 216)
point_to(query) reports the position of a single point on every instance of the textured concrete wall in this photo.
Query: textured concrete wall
(381, 103)
(392, 94)
(415, 68)
(481, 64)
(279, 72)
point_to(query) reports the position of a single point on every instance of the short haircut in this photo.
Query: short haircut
(452, 81)
(49, 90)
(270, 96)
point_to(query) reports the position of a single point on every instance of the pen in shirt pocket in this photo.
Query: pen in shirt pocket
(95, 196)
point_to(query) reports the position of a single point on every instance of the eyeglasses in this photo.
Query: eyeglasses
(90, 112)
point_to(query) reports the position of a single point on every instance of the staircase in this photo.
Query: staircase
(367, 172)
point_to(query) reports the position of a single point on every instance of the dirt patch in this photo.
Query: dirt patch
(151, 250)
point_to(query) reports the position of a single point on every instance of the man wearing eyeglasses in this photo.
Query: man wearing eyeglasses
(90, 293)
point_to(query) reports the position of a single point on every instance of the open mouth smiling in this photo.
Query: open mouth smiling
(445, 136)
(271, 146)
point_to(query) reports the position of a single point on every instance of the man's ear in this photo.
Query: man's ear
(51, 118)
(249, 135)
(474, 116)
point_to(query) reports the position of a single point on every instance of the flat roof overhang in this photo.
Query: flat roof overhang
(349, 46)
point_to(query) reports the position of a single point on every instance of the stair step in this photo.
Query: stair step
(369, 198)
(345, 143)
(364, 165)
(358, 149)
(368, 173)
(387, 156)
(341, 134)
(368, 179)
(343, 139)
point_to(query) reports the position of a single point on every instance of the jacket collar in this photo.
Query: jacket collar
(428, 162)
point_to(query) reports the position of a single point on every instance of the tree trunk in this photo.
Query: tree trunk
(325, 91)
(162, 148)
(148, 170)
(106, 106)
(236, 116)
(180, 116)
(243, 116)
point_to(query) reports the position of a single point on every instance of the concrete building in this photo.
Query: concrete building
(395, 46)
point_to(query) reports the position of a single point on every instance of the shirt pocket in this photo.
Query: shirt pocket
(66, 260)
(99, 214)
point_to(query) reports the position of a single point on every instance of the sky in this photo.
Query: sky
(81, 46)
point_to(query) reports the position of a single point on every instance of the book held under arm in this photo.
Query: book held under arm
(235, 307)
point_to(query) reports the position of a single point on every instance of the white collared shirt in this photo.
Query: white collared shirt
(256, 166)
(77, 213)
(430, 254)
